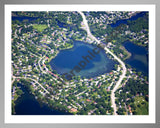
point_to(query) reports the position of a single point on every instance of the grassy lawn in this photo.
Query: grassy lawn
(64, 35)
(141, 106)
(40, 27)
(26, 34)
(125, 50)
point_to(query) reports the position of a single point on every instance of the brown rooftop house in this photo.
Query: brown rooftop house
(88, 100)
(73, 110)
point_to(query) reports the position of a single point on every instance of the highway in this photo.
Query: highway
(85, 22)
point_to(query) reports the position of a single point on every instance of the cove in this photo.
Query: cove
(67, 59)
(21, 18)
(124, 21)
(139, 58)
(28, 105)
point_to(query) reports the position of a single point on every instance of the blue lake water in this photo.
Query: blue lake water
(66, 60)
(124, 21)
(21, 18)
(28, 105)
(139, 58)
(32, 19)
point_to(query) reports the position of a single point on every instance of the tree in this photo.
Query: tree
(19, 91)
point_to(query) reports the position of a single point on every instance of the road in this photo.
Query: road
(32, 80)
(40, 64)
(107, 50)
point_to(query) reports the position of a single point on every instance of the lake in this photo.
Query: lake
(139, 58)
(28, 105)
(67, 59)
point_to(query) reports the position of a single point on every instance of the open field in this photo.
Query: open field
(141, 106)
(40, 27)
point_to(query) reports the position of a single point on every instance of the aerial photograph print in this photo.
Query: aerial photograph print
(80, 63)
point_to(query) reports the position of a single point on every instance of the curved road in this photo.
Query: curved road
(40, 64)
(119, 60)
(32, 80)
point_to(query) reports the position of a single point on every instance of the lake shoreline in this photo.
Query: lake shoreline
(27, 104)
(72, 57)
(125, 50)
(138, 58)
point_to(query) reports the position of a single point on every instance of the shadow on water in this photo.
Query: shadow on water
(28, 105)
(139, 58)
